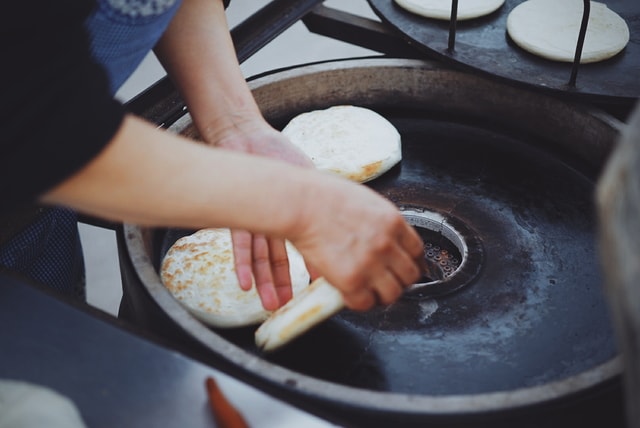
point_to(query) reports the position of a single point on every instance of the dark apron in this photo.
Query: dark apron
(44, 243)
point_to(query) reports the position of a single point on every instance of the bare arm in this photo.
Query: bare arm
(354, 237)
(198, 53)
(151, 177)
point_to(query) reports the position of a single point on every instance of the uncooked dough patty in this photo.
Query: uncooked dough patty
(550, 28)
(441, 9)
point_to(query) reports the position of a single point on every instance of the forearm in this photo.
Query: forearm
(198, 53)
(151, 177)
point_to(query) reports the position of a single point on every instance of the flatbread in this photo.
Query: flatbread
(441, 9)
(550, 28)
(310, 307)
(351, 141)
(199, 272)
(28, 405)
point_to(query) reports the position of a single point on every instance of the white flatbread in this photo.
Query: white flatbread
(550, 28)
(310, 307)
(351, 141)
(441, 9)
(28, 405)
(199, 272)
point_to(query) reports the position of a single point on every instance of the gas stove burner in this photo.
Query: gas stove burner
(452, 253)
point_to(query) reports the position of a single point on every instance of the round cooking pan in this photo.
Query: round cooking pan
(500, 178)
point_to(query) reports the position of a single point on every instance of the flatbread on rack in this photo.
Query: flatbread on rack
(550, 28)
(354, 142)
(198, 270)
(441, 9)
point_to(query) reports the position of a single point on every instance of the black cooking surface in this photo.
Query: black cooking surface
(483, 45)
(534, 313)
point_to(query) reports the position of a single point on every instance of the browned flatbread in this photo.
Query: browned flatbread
(199, 272)
(310, 307)
(351, 141)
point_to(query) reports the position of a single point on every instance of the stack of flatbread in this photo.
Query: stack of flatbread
(198, 270)
(550, 29)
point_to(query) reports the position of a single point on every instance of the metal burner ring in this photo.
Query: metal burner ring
(453, 252)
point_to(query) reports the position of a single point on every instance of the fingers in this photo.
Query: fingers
(265, 260)
(360, 300)
(385, 292)
(314, 273)
(412, 242)
(389, 263)
(407, 255)
(385, 288)
(242, 243)
(261, 265)
(254, 135)
(280, 270)
(388, 288)
(372, 271)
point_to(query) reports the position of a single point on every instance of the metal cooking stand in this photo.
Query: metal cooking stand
(162, 104)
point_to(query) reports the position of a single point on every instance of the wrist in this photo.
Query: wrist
(215, 130)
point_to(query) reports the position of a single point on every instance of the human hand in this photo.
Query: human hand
(264, 259)
(223, 108)
(359, 242)
(256, 136)
(256, 256)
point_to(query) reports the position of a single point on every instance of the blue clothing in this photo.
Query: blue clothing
(49, 251)
(122, 32)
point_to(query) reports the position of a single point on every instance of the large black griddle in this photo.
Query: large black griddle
(538, 269)
(533, 314)
(527, 334)
(483, 45)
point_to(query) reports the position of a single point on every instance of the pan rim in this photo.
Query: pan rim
(263, 370)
